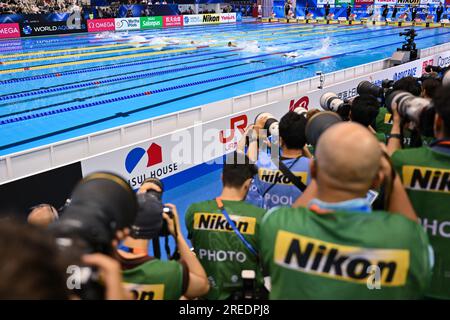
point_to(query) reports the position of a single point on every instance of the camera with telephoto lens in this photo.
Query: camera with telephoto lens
(271, 124)
(100, 205)
(330, 101)
(416, 110)
(149, 221)
(367, 87)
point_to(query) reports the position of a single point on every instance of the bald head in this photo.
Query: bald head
(42, 216)
(347, 158)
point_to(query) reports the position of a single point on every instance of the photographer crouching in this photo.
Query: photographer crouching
(283, 173)
(425, 173)
(149, 278)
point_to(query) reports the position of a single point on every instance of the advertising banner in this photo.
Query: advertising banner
(193, 20)
(125, 24)
(98, 25)
(50, 28)
(359, 3)
(151, 22)
(409, 2)
(388, 2)
(432, 2)
(9, 30)
(228, 17)
(321, 3)
(211, 18)
(172, 21)
(344, 3)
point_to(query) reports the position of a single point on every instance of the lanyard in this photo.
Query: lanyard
(132, 250)
(235, 229)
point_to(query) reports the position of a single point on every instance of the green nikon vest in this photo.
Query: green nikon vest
(426, 176)
(155, 280)
(344, 255)
(222, 254)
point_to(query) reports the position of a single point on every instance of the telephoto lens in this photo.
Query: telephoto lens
(301, 111)
(366, 87)
(318, 123)
(271, 124)
(413, 109)
(329, 101)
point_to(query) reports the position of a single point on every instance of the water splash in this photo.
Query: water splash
(322, 50)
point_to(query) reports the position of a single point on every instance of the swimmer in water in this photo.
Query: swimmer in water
(231, 44)
(290, 55)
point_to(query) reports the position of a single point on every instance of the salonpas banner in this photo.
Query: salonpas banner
(344, 2)
(123, 24)
(151, 22)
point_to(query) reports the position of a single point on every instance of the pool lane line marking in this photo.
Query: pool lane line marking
(119, 57)
(113, 78)
(122, 74)
(101, 52)
(156, 91)
(150, 61)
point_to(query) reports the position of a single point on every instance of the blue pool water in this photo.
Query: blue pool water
(60, 87)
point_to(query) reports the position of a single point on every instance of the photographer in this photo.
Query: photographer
(425, 174)
(224, 233)
(334, 246)
(364, 110)
(273, 186)
(101, 210)
(149, 278)
(384, 119)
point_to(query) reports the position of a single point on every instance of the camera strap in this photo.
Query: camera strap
(273, 185)
(235, 229)
(292, 177)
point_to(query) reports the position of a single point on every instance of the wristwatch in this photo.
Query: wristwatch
(394, 135)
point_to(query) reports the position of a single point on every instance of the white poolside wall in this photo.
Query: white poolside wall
(84, 148)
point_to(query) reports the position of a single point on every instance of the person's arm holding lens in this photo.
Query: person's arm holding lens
(252, 149)
(398, 199)
(198, 280)
(394, 143)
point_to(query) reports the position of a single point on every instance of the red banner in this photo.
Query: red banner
(359, 3)
(9, 30)
(172, 21)
(96, 25)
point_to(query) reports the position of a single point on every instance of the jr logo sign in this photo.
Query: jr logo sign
(238, 122)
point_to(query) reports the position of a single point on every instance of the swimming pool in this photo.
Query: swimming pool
(60, 87)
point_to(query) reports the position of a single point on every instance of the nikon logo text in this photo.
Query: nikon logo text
(208, 18)
(340, 262)
(217, 222)
(424, 178)
(277, 177)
